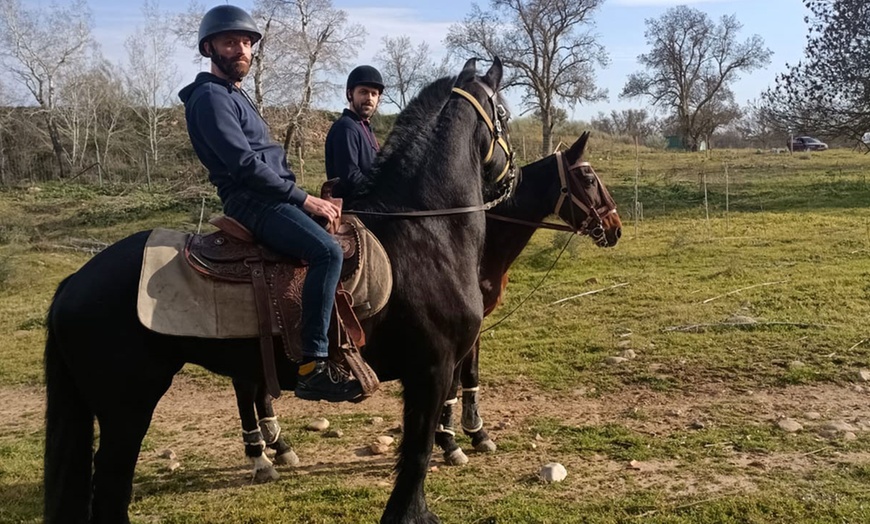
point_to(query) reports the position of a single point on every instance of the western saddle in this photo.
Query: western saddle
(232, 254)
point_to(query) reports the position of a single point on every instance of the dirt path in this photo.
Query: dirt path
(191, 415)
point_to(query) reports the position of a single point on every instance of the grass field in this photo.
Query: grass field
(739, 313)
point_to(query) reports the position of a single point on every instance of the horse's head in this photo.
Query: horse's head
(584, 202)
(482, 92)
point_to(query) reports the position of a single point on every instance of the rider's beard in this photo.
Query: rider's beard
(364, 111)
(236, 68)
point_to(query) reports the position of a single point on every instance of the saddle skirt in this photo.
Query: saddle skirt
(176, 299)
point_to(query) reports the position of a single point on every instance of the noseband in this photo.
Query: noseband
(496, 129)
(592, 226)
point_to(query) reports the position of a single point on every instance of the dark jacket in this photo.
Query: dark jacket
(351, 148)
(232, 141)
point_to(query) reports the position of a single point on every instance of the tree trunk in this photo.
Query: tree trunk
(546, 132)
(301, 109)
(3, 169)
(56, 145)
(290, 137)
(258, 67)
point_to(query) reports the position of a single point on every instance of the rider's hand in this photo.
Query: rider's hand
(322, 208)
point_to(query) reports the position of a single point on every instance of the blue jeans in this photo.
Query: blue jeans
(288, 230)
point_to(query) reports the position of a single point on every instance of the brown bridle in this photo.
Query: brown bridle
(593, 224)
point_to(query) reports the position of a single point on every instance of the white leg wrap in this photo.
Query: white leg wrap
(270, 429)
(253, 438)
(474, 429)
(441, 429)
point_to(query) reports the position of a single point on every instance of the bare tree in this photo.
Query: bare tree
(406, 69)
(827, 92)
(38, 46)
(757, 125)
(6, 116)
(691, 60)
(151, 79)
(547, 45)
(627, 122)
(304, 41)
(718, 113)
(75, 114)
(185, 27)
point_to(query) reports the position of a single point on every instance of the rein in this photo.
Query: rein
(593, 214)
(509, 189)
(508, 172)
(532, 292)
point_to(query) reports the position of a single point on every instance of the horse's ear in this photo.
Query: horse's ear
(576, 150)
(467, 73)
(494, 75)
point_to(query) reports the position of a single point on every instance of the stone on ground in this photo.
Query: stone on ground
(318, 424)
(553, 472)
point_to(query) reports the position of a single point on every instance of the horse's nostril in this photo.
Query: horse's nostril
(619, 232)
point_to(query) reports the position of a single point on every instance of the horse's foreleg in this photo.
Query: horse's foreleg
(445, 433)
(472, 424)
(246, 395)
(268, 422)
(424, 396)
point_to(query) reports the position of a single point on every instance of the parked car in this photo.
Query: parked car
(807, 143)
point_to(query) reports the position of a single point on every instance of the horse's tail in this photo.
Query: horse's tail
(69, 434)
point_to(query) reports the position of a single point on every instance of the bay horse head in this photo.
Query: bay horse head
(584, 202)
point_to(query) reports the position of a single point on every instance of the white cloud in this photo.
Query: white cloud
(385, 21)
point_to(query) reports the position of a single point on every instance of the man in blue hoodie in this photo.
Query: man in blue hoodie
(258, 189)
(351, 145)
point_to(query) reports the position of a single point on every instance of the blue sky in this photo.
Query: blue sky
(620, 24)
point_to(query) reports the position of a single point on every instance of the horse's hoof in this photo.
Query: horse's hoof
(267, 474)
(288, 458)
(455, 458)
(485, 446)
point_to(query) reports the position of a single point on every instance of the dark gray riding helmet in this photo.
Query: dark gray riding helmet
(365, 75)
(226, 18)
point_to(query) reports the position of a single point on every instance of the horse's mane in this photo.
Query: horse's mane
(402, 151)
(418, 115)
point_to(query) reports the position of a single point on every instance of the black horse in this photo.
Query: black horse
(590, 210)
(101, 363)
(560, 185)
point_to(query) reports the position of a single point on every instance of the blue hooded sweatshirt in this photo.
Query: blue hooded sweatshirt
(232, 141)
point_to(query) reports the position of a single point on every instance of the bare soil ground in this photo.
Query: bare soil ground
(193, 419)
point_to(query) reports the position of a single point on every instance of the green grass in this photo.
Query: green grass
(798, 223)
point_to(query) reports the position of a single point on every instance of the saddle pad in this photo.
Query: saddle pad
(174, 299)
(371, 285)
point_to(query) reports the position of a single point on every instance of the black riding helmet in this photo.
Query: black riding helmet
(365, 75)
(225, 18)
